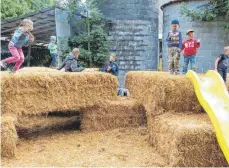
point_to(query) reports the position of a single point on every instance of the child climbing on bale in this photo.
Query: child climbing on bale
(53, 50)
(21, 37)
(112, 67)
(114, 70)
(190, 49)
(174, 40)
(222, 62)
(70, 62)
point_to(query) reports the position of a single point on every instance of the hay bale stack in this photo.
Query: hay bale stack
(26, 93)
(161, 92)
(28, 126)
(113, 114)
(177, 126)
(186, 140)
(8, 136)
(37, 69)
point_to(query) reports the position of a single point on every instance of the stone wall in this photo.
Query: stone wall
(160, 3)
(133, 33)
(213, 37)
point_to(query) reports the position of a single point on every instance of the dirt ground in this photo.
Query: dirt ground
(120, 147)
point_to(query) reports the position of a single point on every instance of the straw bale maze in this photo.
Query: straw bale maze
(178, 132)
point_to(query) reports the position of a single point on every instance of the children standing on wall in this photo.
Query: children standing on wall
(174, 40)
(53, 50)
(70, 62)
(221, 64)
(21, 37)
(190, 49)
(112, 67)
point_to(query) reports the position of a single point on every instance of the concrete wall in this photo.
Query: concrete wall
(213, 37)
(160, 3)
(63, 31)
(133, 34)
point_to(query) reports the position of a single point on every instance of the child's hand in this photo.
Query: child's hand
(170, 34)
(31, 37)
(178, 50)
(199, 40)
(108, 68)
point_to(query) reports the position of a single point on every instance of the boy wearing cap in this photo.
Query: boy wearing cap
(190, 49)
(174, 41)
(222, 62)
(53, 50)
(70, 62)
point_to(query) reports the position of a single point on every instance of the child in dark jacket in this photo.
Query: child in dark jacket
(222, 63)
(70, 62)
(21, 37)
(112, 67)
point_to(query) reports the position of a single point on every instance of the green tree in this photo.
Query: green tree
(92, 41)
(10, 9)
(208, 12)
(16, 8)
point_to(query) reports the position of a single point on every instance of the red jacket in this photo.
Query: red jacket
(190, 47)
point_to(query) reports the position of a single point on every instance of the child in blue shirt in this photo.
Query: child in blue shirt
(53, 50)
(174, 42)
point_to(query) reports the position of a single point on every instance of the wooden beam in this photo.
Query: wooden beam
(46, 11)
(43, 27)
(44, 30)
(36, 25)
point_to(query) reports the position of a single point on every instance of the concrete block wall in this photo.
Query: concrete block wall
(213, 37)
(160, 3)
(134, 33)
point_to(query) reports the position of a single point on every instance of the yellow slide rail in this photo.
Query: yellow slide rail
(214, 98)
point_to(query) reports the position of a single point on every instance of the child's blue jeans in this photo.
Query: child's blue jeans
(53, 63)
(192, 60)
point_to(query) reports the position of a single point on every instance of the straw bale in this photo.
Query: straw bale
(8, 136)
(36, 93)
(28, 126)
(161, 92)
(90, 69)
(37, 69)
(186, 140)
(122, 112)
(124, 147)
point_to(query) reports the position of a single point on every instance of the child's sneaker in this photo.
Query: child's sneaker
(11, 71)
(177, 73)
(3, 64)
(171, 72)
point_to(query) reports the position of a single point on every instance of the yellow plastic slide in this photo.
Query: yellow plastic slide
(213, 96)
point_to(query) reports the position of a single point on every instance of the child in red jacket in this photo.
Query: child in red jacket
(190, 49)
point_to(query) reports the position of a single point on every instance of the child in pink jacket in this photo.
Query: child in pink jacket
(21, 37)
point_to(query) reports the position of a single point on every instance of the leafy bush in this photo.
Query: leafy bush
(213, 10)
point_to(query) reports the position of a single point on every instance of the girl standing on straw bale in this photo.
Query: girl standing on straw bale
(21, 37)
(53, 50)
